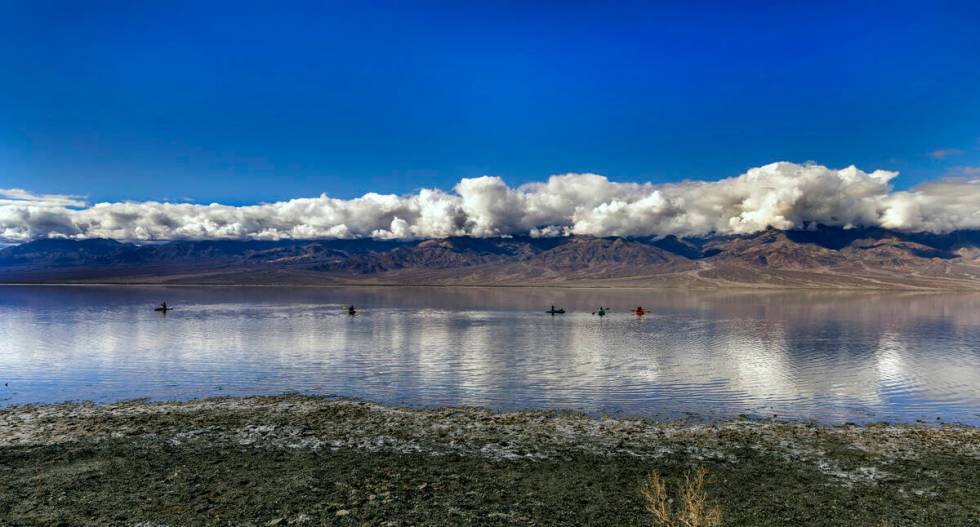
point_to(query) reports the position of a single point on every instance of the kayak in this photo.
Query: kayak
(555, 311)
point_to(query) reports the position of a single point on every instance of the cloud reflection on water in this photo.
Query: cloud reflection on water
(827, 355)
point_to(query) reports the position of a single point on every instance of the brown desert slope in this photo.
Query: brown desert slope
(821, 257)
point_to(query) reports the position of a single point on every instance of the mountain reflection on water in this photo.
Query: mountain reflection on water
(831, 356)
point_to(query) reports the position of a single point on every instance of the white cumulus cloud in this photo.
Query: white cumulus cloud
(781, 195)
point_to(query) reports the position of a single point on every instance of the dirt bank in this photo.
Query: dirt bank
(302, 460)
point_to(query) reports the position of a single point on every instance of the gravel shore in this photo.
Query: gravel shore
(295, 460)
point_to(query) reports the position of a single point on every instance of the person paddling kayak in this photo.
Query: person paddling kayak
(601, 311)
(639, 311)
(351, 311)
(163, 308)
(555, 311)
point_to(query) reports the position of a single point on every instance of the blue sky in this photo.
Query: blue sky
(243, 103)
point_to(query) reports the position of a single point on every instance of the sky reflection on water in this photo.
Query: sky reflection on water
(831, 356)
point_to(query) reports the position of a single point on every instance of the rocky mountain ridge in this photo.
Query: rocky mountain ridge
(817, 257)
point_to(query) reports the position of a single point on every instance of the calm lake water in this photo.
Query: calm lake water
(828, 356)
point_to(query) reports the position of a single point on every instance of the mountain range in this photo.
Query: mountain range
(818, 257)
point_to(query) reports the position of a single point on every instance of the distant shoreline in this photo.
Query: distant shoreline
(734, 287)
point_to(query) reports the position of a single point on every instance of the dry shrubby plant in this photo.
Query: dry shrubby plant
(692, 509)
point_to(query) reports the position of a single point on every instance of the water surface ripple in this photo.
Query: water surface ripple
(829, 356)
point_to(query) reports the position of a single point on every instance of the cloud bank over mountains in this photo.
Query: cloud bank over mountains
(782, 195)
